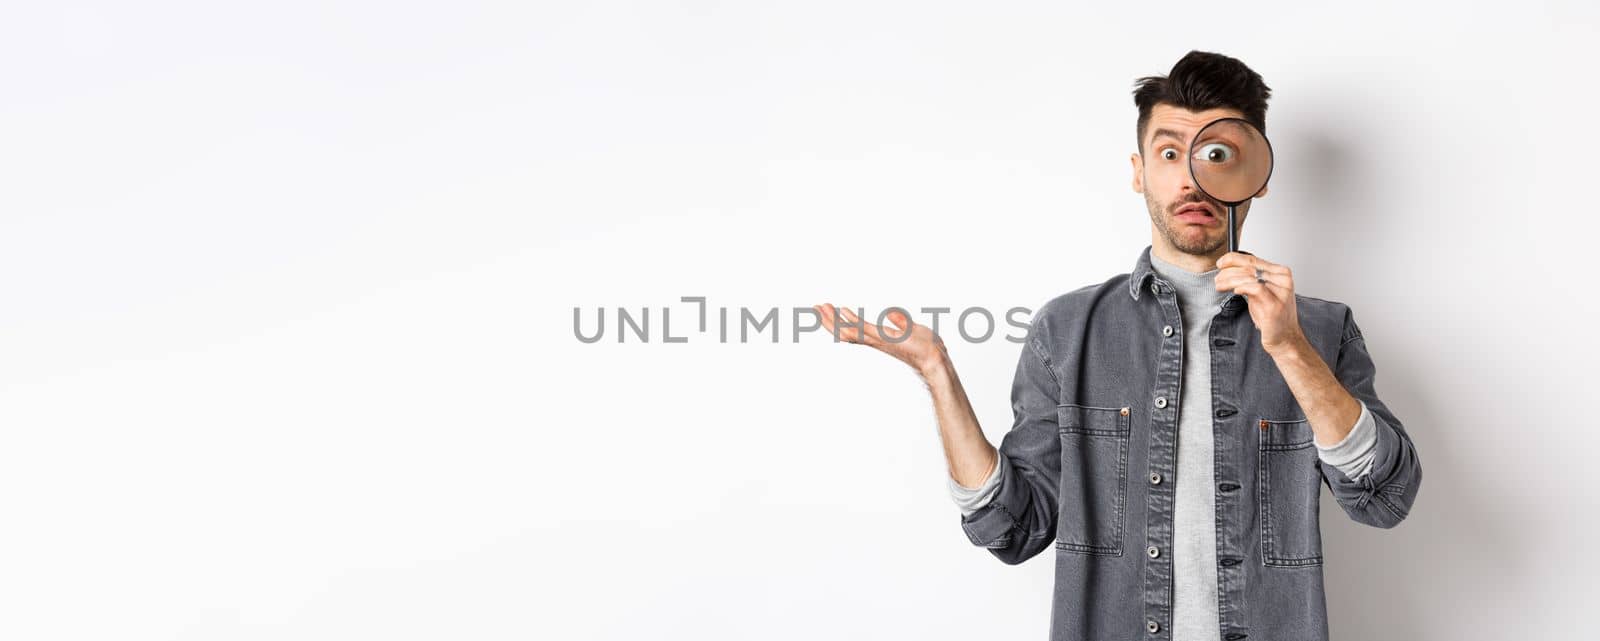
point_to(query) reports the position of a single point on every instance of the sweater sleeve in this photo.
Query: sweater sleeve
(1353, 455)
(970, 499)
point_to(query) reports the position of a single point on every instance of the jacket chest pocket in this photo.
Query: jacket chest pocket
(1094, 478)
(1288, 487)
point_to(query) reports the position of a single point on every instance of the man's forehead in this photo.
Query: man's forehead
(1167, 118)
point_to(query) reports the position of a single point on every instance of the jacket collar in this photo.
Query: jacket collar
(1143, 272)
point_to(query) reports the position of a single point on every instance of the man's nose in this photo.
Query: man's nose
(1186, 181)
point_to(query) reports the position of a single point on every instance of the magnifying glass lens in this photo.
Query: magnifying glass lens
(1230, 160)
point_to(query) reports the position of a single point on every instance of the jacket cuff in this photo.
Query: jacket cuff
(1389, 460)
(994, 525)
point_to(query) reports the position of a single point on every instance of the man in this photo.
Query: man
(1173, 425)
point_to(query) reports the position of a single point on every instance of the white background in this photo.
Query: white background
(286, 349)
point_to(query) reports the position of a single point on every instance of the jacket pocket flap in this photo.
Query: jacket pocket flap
(1284, 434)
(1090, 419)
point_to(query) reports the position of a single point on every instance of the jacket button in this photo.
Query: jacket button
(1153, 288)
(1124, 411)
(1155, 478)
(1166, 331)
(1152, 551)
(1263, 423)
(1161, 401)
(1152, 626)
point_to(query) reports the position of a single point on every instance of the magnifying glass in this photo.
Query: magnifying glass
(1230, 161)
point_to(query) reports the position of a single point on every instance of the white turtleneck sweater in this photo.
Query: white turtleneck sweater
(1194, 562)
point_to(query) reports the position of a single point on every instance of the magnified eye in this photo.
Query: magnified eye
(1214, 152)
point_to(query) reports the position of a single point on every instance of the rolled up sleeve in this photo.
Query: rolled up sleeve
(1383, 496)
(969, 499)
(1019, 520)
(1353, 455)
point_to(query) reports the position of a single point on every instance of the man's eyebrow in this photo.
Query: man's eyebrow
(1166, 132)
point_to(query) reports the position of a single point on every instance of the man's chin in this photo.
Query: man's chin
(1196, 242)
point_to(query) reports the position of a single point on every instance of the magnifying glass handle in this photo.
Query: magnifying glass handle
(1233, 240)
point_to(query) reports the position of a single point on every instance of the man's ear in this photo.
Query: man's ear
(1138, 172)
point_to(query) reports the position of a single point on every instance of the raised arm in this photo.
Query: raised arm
(1339, 402)
(1382, 497)
(968, 454)
(1019, 521)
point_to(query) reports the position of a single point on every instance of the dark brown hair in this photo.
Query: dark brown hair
(1203, 80)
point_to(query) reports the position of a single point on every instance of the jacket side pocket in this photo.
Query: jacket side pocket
(1289, 486)
(1094, 478)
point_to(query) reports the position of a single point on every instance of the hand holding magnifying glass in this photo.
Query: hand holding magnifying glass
(1230, 161)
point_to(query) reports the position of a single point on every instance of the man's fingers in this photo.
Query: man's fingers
(822, 313)
(854, 330)
(902, 327)
(847, 331)
(839, 330)
(1249, 263)
(899, 319)
(830, 314)
(865, 332)
(1252, 288)
(1279, 283)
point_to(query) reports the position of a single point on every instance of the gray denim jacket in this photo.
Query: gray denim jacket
(1095, 401)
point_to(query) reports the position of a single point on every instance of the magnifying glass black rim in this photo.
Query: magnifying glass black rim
(1270, 166)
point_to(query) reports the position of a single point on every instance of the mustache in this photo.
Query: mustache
(1193, 200)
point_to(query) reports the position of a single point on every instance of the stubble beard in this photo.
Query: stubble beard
(1204, 246)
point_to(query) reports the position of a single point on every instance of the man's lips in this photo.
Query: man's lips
(1196, 213)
